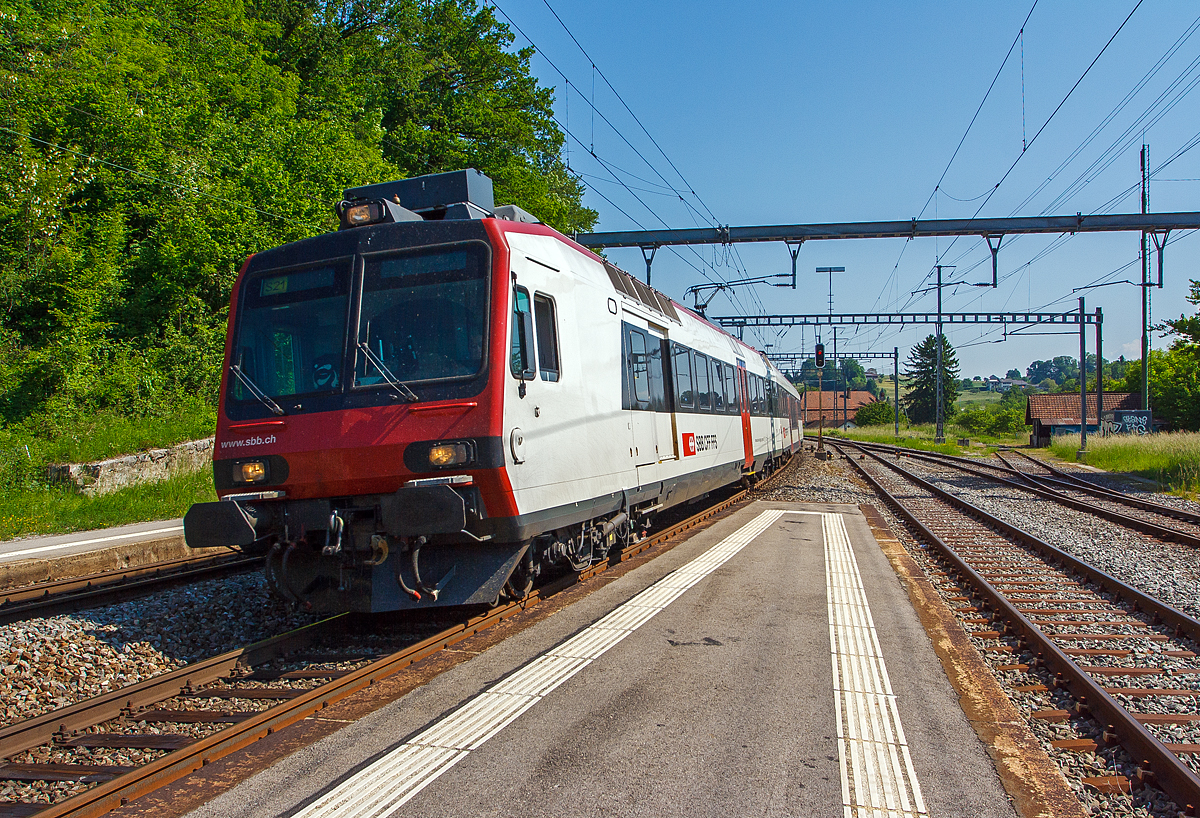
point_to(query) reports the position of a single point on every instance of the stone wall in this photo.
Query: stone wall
(106, 476)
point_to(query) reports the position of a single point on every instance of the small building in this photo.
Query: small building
(1058, 414)
(832, 406)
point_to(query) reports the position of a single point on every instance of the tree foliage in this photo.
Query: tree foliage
(147, 149)
(875, 413)
(1174, 374)
(921, 400)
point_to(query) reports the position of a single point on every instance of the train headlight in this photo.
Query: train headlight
(360, 214)
(254, 471)
(449, 454)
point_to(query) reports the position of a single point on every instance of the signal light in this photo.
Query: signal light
(820, 354)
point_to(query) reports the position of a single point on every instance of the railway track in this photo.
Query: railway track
(189, 717)
(1155, 519)
(1127, 660)
(111, 587)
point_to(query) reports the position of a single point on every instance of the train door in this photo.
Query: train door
(638, 361)
(744, 407)
(772, 398)
(660, 397)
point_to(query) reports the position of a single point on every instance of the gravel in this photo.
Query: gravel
(49, 663)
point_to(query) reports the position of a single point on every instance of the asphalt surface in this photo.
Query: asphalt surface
(720, 704)
(80, 542)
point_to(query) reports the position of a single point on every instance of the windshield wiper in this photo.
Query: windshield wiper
(254, 390)
(387, 375)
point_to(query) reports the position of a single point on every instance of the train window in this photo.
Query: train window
(756, 406)
(547, 336)
(731, 393)
(639, 366)
(681, 362)
(703, 398)
(718, 386)
(423, 315)
(291, 331)
(520, 357)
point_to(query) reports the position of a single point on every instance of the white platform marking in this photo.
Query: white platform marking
(400, 774)
(76, 543)
(877, 773)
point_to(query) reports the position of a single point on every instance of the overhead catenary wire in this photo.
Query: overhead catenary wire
(742, 273)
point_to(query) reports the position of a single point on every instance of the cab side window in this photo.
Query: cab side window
(547, 336)
(521, 355)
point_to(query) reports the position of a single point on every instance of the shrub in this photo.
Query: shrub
(875, 413)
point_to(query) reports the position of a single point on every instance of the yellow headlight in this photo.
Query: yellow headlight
(361, 214)
(448, 454)
(254, 472)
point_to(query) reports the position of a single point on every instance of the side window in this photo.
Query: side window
(731, 393)
(681, 362)
(703, 399)
(520, 355)
(718, 386)
(757, 406)
(547, 336)
(638, 367)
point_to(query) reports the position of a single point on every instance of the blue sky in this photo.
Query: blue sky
(780, 113)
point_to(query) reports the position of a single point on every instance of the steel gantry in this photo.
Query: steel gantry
(1080, 318)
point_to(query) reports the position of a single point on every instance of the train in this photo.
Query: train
(444, 401)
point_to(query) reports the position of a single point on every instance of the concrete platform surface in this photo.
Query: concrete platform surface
(770, 665)
(58, 556)
(79, 542)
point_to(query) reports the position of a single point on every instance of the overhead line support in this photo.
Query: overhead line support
(909, 229)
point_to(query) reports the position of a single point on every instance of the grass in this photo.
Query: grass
(921, 436)
(108, 435)
(57, 510)
(30, 505)
(980, 398)
(1171, 459)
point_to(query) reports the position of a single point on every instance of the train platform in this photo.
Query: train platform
(37, 559)
(772, 664)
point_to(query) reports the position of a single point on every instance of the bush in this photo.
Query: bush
(875, 413)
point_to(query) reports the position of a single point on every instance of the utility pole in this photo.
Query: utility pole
(1145, 253)
(1099, 373)
(896, 386)
(1082, 453)
(940, 435)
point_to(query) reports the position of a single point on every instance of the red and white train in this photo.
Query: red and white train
(444, 399)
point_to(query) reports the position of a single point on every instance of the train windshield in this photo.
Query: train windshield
(291, 331)
(424, 315)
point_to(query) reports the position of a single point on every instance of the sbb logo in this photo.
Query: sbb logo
(693, 444)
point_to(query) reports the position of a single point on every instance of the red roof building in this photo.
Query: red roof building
(831, 406)
(1059, 414)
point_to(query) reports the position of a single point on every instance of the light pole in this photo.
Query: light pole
(831, 271)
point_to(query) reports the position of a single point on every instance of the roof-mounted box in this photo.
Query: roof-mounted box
(459, 194)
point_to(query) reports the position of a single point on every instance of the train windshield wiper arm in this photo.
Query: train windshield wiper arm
(387, 375)
(252, 387)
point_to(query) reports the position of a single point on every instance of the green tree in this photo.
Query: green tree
(921, 400)
(148, 149)
(875, 413)
(1014, 374)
